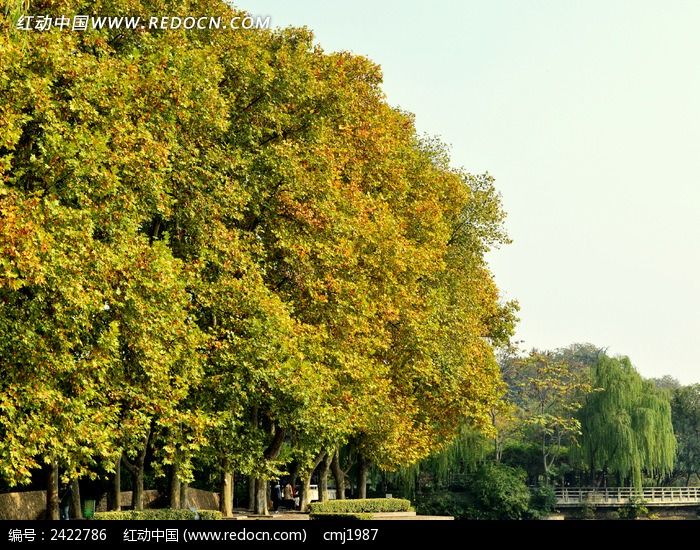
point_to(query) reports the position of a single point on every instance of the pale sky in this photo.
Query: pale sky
(587, 113)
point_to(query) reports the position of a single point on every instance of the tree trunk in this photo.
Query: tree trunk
(184, 491)
(252, 481)
(294, 473)
(136, 469)
(175, 488)
(305, 492)
(323, 477)
(262, 488)
(362, 477)
(339, 476)
(226, 492)
(116, 496)
(261, 497)
(306, 480)
(251, 493)
(76, 510)
(52, 492)
(268, 496)
(137, 495)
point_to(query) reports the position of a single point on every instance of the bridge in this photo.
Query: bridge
(576, 497)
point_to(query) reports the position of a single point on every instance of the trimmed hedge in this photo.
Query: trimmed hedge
(361, 506)
(340, 515)
(159, 514)
(209, 514)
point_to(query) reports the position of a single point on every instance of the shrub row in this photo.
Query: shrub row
(159, 514)
(365, 505)
(340, 515)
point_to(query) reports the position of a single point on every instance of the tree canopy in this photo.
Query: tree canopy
(227, 246)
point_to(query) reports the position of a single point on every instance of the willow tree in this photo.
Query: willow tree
(626, 425)
(452, 465)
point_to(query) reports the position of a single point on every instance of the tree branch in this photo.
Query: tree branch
(275, 446)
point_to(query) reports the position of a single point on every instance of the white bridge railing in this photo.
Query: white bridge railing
(618, 496)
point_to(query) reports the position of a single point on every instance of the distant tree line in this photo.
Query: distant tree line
(570, 417)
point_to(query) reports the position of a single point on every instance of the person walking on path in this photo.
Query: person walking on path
(288, 494)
